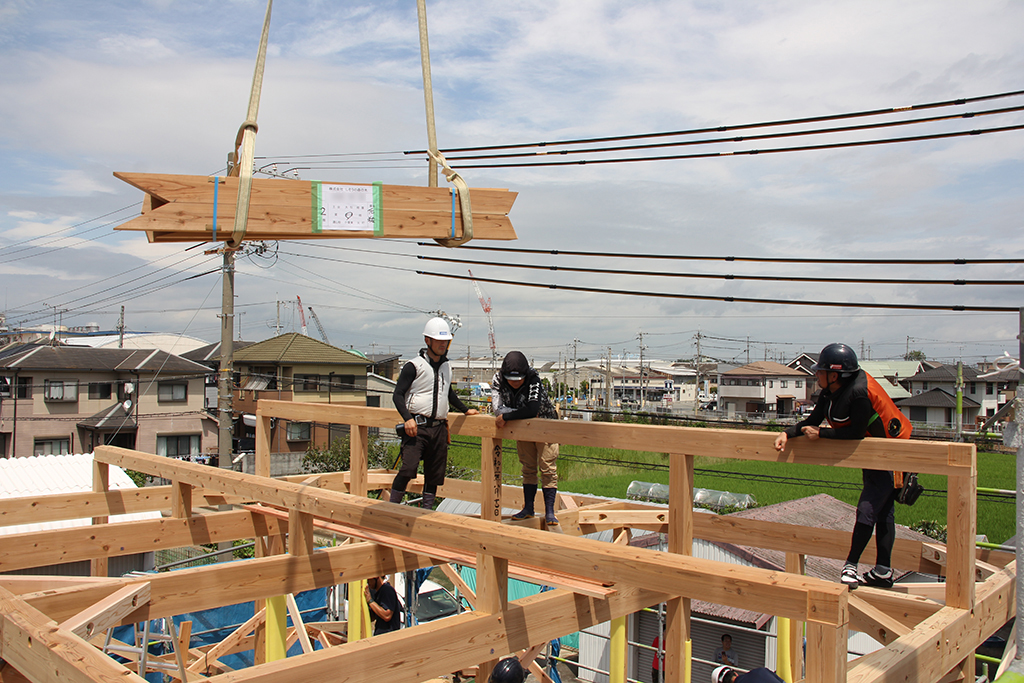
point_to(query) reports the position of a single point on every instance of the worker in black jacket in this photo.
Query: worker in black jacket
(846, 405)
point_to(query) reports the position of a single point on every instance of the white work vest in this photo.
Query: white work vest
(428, 395)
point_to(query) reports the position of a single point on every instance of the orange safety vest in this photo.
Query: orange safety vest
(896, 424)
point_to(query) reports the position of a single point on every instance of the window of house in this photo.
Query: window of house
(989, 388)
(56, 446)
(344, 383)
(974, 387)
(307, 382)
(924, 386)
(172, 391)
(771, 384)
(270, 373)
(178, 445)
(783, 383)
(24, 387)
(60, 390)
(298, 431)
(100, 390)
(799, 384)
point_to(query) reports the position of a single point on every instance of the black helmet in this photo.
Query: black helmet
(837, 358)
(508, 670)
(515, 366)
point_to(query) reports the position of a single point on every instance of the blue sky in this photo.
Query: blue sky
(161, 86)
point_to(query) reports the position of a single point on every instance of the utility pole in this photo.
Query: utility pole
(608, 382)
(696, 388)
(575, 377)
(225, 408)
(120, 330)
(643, 393)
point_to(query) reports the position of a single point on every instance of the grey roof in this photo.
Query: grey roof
(113, 418)
(935, 398)
(766, 368)
(297, 349)
(945, 373)
(211, 352)
(100, 360)
(821, 511)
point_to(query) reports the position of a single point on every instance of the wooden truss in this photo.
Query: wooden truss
(49, 625)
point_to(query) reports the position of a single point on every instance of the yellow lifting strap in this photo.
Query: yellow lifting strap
(436, 158)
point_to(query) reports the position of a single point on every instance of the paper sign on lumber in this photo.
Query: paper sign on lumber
(185, 208)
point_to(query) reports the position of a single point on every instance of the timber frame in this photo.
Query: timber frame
(46, 623)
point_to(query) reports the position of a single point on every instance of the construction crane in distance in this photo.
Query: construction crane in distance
(302, 316)
(485, 303)
(316, 319)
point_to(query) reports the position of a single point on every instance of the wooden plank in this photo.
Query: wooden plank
(961, 525)
(490, 478)
(300, 628)
(181, 500)
(358, 459)
(58, 546)
(680, 542)
(300, 533)
(618, 518)
(912, 456)
(262, 455)
(227, 645)
(45, 653)
(453, 644)
(59, 507)
(908, 609)
(748, 587)
(108, 612)
(32, 584)
(867, 618)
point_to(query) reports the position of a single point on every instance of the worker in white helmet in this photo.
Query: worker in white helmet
(422, 396)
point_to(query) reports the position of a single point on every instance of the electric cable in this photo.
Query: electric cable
(732, 299)
(754, 152)
(751, 259)
(718, 276)
(747, 138)
(71, 227)
(743, 126)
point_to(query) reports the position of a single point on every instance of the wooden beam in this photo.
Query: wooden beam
(867, 618)
(57, 546)
(46, 653)
(108, 612)
(185, 590)
(100, 484)
(620, 518)
(734, 444)
(490, 478)
(464, 590)
(680, 543)
(358, 459)
(228, 645)
(734, 585)
(182, 207)
(300, 628)
(181, 500)
(943, 640)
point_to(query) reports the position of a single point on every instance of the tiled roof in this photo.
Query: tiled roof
(102, 360)
(935, 398)
(294, 348)
(821, 511)
(211, 352)
(766, 368)
(51, 474)
(114, 417)
(945, 373)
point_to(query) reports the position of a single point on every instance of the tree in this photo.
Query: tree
(915, 355)
(336, 457)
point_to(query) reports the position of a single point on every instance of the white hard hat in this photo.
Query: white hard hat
(718, 675)
(437, 328)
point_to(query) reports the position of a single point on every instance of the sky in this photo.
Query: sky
(161, 86)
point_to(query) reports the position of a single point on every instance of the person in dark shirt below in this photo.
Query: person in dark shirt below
(725, 674)
(846, 404)
(385, 611)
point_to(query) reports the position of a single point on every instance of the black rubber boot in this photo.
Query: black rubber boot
(549, 507)
(529, 493)
(397, 495)
(428, 501)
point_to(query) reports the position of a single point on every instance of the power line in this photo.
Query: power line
(743, 126)
(736, 299)
(717, 276)
(744, 138)
(750, 259)
(753, 152)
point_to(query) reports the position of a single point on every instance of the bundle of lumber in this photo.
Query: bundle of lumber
(185, 208)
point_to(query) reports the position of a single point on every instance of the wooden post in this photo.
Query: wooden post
(826, 653)
(680, 541)
(796, 564)
(359, 452)
(961, 530)
(491, 596)
(100, 484)
(262, 443)
(490, 479)
(181, 500)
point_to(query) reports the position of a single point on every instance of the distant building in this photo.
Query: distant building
(763, 387)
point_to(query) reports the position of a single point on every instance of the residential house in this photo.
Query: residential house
(57, 399)
(658, 384)
(294, 367)
(763, 387)
(933, 399)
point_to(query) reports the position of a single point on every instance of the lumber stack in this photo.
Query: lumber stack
(182, 208)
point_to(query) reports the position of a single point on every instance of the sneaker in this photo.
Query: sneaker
(877, 579)
(848, 577)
